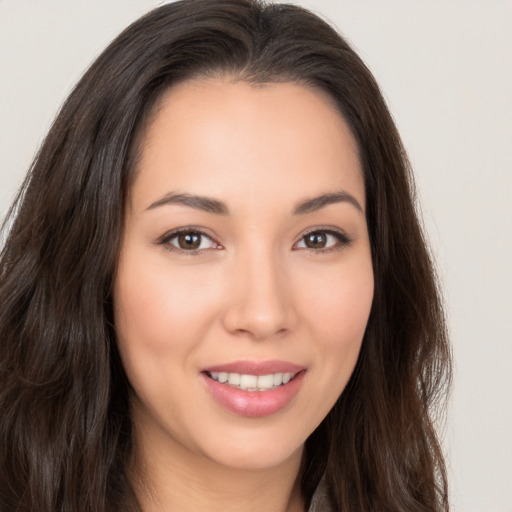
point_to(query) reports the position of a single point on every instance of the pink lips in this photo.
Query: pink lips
(254, 403)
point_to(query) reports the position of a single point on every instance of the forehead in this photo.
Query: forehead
(230, 138)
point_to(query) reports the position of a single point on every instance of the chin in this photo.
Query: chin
(254, 453)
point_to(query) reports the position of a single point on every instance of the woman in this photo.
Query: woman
(215, 290)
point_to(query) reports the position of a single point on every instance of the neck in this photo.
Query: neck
(167, 476)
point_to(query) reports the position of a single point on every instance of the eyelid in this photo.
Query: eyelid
(173, 233)
(343, 239)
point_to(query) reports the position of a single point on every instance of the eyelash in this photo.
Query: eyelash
(342, 240)
(166, 239)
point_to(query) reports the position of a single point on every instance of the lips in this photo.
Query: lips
(256, 367)
(254, 389)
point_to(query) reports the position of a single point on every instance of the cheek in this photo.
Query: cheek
(340, 306)
(158, 308)
(336, 308)
(160, 313)
(338, 315)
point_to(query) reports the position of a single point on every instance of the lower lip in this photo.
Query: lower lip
(254, 404)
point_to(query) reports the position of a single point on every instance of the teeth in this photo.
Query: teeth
(278, 379)
(252, 382)
(233, 379)
(248, 381)
(266, 381)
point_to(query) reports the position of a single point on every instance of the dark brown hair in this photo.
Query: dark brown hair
(65, 432)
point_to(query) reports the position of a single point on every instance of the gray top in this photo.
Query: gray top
(319, 503)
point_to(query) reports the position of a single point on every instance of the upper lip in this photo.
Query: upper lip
(256, 367)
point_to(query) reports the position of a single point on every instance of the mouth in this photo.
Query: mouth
(254, 389)
(249, 382)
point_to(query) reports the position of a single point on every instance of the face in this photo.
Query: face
(245, 279)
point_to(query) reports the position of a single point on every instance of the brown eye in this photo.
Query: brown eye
(315, 240)
(189, 241)
(323, 241)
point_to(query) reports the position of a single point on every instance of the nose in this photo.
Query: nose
(261, 304)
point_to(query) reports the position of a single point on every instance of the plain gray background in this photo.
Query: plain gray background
(445, 67)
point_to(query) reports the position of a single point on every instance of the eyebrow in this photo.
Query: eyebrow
(211, 205)
(206, 204)
(316, 203)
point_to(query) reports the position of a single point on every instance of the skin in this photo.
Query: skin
(253, 290)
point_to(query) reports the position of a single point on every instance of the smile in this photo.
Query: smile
(248, 382)
(254, 388)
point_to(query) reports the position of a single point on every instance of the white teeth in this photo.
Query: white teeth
(252, 382)
(278, 379)
(265, 381)
(233, 379)
(248, 381)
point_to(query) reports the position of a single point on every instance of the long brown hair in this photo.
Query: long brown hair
(65, 431)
